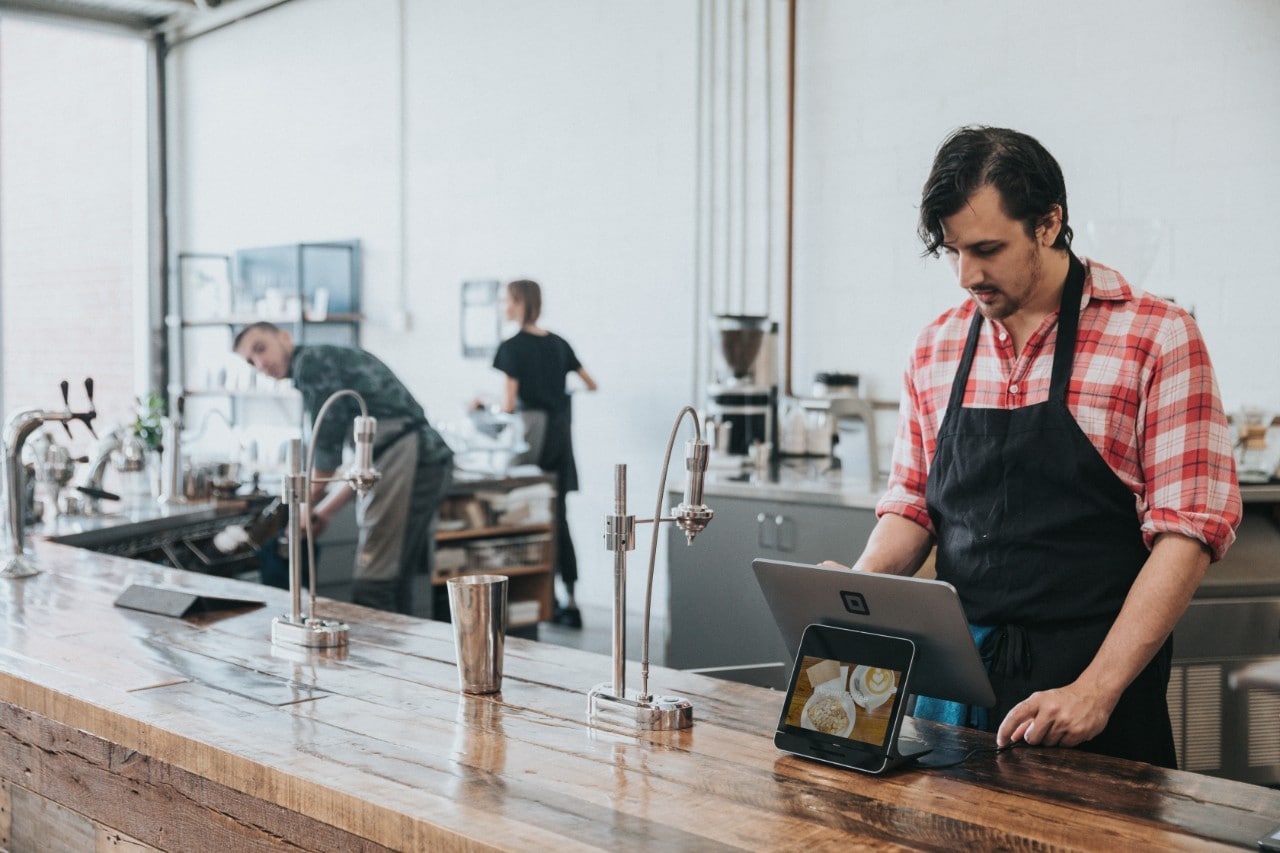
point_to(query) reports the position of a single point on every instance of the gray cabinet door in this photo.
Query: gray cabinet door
(718, 620)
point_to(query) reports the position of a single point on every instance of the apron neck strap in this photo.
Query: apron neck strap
(1068, 325)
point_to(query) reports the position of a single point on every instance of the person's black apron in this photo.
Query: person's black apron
(1042, 540)
(556, 453)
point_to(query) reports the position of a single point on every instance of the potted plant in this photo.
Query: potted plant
(148, 430)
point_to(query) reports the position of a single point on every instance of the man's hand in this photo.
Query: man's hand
(318, 524)
(833, 564)
(1065, 716)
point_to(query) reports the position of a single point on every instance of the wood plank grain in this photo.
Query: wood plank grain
(41, 824)
(112, 841)
(6, 814)
(142, 797)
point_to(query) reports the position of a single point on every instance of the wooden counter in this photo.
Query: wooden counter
(121, 727)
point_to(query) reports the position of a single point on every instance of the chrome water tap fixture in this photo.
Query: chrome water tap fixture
(17, 563)
(299, 628)
(96, 475)
(612, 704)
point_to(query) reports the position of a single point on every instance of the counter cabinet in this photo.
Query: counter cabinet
(121, 728)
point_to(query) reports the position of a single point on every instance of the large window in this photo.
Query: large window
(73, 219)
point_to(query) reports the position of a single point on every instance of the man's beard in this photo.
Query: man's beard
(1030, 282)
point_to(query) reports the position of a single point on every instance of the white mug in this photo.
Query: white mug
(872, 686)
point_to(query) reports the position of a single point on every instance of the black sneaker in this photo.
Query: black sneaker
(569, 617)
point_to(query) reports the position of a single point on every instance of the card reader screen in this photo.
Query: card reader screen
(843, 698)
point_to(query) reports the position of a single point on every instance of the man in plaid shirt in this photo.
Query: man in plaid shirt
(1062, 442)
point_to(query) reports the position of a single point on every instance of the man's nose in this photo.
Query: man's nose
(968, 270)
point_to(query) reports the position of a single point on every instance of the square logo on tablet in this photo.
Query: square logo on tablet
(855, 603)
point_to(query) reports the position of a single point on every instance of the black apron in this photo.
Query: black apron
(1042, 541)
(556, 454)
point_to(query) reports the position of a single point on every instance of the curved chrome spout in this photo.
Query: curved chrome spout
(306, 629)
(692, 516)
(20, 425)
(93, 479)
(17, 428)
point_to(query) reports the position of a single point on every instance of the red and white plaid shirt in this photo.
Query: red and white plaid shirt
(1142, 389)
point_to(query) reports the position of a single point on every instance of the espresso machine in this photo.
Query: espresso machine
(743, 393)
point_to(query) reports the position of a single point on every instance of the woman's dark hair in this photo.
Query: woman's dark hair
(1026, 175)
(529, 295)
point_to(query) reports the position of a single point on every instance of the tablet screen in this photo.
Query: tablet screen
(847, 687)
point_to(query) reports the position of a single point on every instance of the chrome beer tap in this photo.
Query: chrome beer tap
(20, 425)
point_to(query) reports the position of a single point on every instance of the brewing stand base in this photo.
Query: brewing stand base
(311, 633)
(18, 567)
(634, 712)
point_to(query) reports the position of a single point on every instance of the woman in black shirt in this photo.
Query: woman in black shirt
(536, 363)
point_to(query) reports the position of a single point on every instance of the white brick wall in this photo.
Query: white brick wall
(70, 170)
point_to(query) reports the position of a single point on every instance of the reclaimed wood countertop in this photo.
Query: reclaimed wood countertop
(199, 734)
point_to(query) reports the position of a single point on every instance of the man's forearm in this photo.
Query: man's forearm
(896, 546)
(335, 500)
(1159, 596)
(319, 486)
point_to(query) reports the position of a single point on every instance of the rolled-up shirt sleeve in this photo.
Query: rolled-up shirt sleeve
(905, 495)
(1185, 446)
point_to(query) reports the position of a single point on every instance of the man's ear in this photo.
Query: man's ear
(286, 339)
(1050, 226)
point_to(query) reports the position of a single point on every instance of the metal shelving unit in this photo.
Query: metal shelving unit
(312, 290)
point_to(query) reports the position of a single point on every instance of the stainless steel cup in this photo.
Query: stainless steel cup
(478, 604)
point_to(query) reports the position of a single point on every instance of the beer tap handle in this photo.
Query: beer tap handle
(85, 417)
(93, 409)
(66, 405)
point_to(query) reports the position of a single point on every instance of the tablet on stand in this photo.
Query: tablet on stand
(846, 700)
(814, 603)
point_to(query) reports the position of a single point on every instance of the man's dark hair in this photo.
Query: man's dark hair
(261, 324)
(1026, 175)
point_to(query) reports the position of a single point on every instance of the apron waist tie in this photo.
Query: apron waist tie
(1005, 650)
(410, 427)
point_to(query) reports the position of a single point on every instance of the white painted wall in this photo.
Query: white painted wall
(557, 139)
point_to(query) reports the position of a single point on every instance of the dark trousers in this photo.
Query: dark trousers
(566, 557)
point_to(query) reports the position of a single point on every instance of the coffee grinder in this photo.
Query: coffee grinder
(744, 387)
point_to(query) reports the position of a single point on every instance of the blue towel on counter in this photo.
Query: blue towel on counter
(956, 713)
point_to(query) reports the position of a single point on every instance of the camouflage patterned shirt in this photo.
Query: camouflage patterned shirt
(320, 370)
